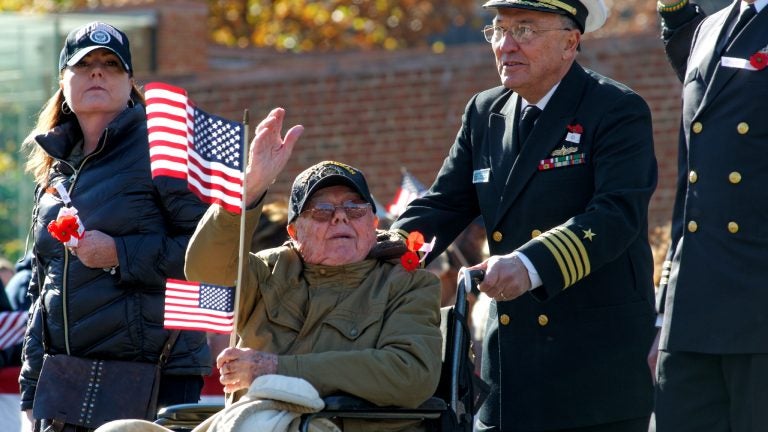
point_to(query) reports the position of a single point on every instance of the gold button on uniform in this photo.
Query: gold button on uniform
(734, 177)
(693, 226)
(743, 128)
(543, 320)
(693, 177)
(733, 227)
(504, 319)
(535, 233)
(698, 127)
(497, 236)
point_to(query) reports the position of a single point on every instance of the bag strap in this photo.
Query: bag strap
(166, 354)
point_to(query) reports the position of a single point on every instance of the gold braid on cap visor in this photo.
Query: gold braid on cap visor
(564, 6)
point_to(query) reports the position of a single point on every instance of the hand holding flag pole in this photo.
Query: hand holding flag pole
(242, 249)
(212, 155)
(269, 153)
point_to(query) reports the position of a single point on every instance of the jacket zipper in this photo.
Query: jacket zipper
(72, 182)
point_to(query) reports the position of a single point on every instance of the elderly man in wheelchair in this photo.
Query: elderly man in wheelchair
(332, 310)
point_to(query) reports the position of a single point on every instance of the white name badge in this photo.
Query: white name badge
(735, 62)
(573, 137)
(481, 176)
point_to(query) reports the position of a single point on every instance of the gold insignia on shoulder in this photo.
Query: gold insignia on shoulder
(588, 234)
(564, 151)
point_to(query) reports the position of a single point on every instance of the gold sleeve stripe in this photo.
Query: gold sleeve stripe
(564, 255)
(568, 242)
(556, 255)
(580, 246)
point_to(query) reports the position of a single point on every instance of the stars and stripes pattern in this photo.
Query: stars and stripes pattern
(199, 306)
(12, 327)
(188, 143)
(410, 189)
(569, 253)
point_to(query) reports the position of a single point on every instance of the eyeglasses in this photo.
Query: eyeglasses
(323, 212)
(521, 33)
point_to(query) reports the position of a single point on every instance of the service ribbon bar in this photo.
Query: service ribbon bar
(562, 161)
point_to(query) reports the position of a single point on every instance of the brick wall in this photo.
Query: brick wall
(381, 111)
(181, 37)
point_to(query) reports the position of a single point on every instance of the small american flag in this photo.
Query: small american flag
(410, 188)
(199, 306)
(187, 143)
(12, 328)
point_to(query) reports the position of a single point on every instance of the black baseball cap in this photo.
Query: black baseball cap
(589, 15)
(321, 175)
(91, 36)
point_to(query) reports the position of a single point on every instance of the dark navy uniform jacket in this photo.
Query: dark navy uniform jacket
(713, 290)
(572, 352)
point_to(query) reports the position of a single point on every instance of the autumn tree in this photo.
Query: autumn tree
(310, 25)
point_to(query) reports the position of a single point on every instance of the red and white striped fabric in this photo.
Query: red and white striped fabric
(12, 328)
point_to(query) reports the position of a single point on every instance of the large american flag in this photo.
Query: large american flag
(187, 143)
(12, 328)
(410, 189)
(199, 306)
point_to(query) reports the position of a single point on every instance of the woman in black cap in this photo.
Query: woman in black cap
(106, 235)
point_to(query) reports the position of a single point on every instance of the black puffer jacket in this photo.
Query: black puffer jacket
(91, 312)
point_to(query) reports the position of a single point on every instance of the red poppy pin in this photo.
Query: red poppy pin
(575, 128)
(67, 227)
(759, 60)
(415, 243)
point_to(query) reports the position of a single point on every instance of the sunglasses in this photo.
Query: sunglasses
(323, 212)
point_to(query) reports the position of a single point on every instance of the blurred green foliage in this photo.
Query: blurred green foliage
(15, 187)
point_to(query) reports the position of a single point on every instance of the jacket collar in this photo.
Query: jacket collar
(59, 141)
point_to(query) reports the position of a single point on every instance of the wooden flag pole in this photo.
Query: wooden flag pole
(244, 250)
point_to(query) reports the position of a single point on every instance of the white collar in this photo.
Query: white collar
(759, 5)
(542, 103)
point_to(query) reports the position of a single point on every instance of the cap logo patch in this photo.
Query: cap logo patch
(346, 167)
(99, 33)
(100, 37)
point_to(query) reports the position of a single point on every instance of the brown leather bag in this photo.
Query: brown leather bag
(90, 392)
(76, 391)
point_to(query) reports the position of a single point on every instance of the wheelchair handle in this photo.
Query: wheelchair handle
(466, 280)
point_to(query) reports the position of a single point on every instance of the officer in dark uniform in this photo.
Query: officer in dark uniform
(565, 211)
(713, 295)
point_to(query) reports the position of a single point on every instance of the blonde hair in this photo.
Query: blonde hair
(39, 162)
